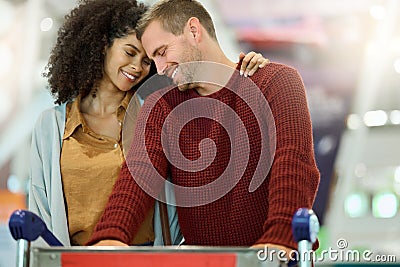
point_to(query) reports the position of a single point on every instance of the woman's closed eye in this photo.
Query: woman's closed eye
(147, 61)
(130, 54)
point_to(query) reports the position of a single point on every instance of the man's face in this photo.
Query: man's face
(169, 52)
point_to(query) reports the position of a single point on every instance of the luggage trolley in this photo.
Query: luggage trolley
(25, 227)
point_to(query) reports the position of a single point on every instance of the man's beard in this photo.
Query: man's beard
(192, 58)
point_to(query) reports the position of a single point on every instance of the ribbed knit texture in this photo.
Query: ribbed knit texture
(240, 218)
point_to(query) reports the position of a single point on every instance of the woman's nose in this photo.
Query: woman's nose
(135, 65)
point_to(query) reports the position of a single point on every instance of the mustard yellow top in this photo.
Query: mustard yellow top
(90, 165)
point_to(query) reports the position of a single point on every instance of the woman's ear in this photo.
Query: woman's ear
(105, 50)
(105, 42)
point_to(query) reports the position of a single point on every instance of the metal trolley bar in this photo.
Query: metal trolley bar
(146, 256)
(25, 226)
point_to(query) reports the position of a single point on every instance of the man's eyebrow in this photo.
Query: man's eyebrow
(156, 50)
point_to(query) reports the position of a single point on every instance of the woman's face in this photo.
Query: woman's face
(126, 62)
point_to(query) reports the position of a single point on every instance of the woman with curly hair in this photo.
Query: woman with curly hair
(77, 151)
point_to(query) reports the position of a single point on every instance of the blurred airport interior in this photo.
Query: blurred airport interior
(348, 53)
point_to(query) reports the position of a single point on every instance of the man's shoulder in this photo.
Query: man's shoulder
(270, 70)
(275, 73)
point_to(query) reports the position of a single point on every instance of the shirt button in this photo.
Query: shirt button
(120, 123)
(115, 145)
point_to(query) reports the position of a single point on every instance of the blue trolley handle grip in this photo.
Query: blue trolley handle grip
(305, 227)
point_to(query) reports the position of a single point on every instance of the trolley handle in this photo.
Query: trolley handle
(305, 227)
(26, 225)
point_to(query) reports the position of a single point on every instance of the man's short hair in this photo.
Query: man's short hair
(173, 16)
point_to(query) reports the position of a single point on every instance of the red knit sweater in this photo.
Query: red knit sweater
(239, 218)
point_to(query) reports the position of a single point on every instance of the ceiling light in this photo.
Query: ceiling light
(384, 205)
(377, 12)
(375, 118)
(356, 205)
(353, 121)
(395, 116)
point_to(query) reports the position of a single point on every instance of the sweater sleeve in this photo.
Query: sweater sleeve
(294, 176)
(138, 183)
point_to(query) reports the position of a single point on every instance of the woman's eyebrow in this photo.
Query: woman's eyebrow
(134, 47)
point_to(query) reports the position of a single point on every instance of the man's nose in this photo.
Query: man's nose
(160, 66)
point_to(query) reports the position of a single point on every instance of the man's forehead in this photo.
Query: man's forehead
(149, 40)
(152, 32)
(154, 27)
(155, 37)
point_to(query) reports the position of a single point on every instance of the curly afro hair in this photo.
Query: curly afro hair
(76, 61)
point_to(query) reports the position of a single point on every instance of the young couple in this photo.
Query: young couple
(73, 177)
(77, 151)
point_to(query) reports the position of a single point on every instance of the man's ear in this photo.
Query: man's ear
(195, 30)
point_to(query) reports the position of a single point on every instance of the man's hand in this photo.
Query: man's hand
(114, 243)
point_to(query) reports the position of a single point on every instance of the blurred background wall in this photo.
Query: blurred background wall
(348, 53)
